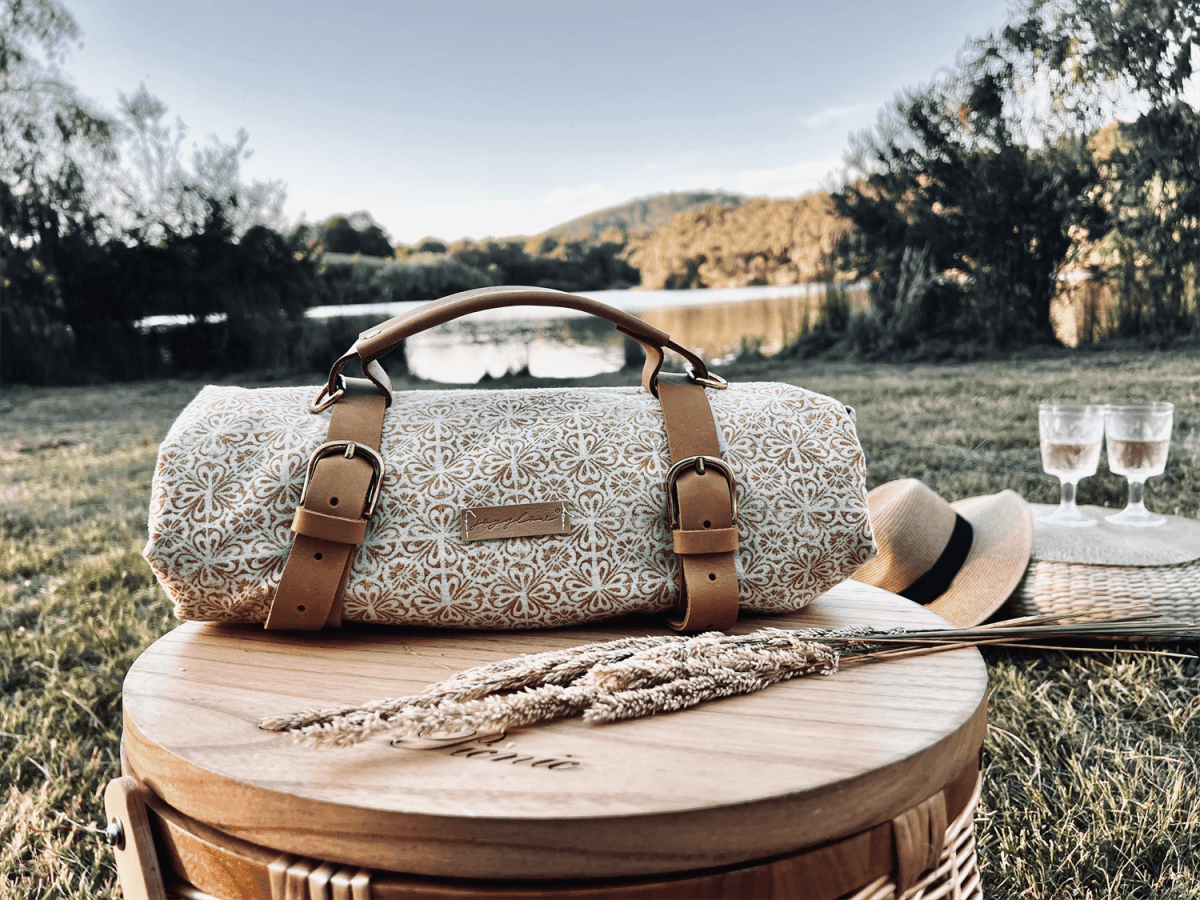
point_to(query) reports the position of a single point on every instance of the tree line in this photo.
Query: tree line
(973, 195)
(964, 206)
(759, 242)
(432, 269)
(107, 219)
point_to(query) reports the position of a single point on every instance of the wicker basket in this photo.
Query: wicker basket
(956, 875)
(1052, 588)
(811, 789)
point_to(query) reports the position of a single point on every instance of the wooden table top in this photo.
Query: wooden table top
(733, 780)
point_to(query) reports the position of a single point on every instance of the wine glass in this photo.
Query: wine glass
(1139, 436)
(1071, 436)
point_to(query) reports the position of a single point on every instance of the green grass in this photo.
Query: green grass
(1092, 787)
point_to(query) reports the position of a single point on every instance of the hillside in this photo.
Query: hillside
(759, 242)
(646, 214)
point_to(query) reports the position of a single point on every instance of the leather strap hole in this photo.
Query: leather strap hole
(317, 556)
(299, 609)
(707, 524)
(712, 576)
(333, 501)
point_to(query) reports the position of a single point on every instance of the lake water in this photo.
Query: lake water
(554, 343)
(564, 343)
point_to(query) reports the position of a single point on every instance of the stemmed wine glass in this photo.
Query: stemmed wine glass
(1070, 436)
(1139, 435)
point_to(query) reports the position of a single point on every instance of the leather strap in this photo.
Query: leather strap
(705, 536)
(331, 521)
(381, 339)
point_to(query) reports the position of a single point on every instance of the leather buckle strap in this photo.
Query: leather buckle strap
(702, 509)
(342, 483)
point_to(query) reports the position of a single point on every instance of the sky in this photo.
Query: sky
(476, 119)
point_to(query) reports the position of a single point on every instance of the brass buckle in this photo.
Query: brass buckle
(349, 449)
(708, 380)
(698, 464)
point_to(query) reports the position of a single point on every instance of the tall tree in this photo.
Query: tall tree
(1102, 59)
(49, 138)
(355, 233)
(88, 247)
(949, 178)
(163, 192)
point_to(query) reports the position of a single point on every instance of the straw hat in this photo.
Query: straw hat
(959, 559)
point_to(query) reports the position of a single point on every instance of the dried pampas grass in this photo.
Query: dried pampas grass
(633, 677)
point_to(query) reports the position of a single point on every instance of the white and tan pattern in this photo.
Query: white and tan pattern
(231, 470)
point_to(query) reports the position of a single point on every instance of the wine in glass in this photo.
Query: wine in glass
(1139, 436)
(1071, 435)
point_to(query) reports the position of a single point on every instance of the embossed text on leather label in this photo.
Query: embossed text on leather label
(491, 523)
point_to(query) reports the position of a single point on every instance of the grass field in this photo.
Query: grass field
(1092, 786)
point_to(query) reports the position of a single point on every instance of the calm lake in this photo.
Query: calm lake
(715, 322)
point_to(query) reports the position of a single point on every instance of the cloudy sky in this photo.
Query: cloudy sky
(498, 118)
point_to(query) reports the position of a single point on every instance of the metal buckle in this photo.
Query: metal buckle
(699, 465)
(349, 449)
(319, 405)
(710, 380)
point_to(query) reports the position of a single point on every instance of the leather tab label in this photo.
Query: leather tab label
(493, 523)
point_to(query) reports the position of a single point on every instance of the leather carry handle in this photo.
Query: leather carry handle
(383, 338)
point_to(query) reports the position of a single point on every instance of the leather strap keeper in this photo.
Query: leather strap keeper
(708, 540)
(311, 523)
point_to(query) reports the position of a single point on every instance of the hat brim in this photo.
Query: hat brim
(1000, 549)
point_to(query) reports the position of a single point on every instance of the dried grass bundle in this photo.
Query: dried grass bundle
(633, 677)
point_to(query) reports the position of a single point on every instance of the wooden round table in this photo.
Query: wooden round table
(691, 799)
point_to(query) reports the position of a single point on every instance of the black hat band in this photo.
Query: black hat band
(937, 580)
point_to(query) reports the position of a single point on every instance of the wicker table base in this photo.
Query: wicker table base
(189, 851)
(956, 875)
(814, 788)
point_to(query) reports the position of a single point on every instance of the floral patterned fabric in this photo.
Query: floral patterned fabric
(231, 470)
